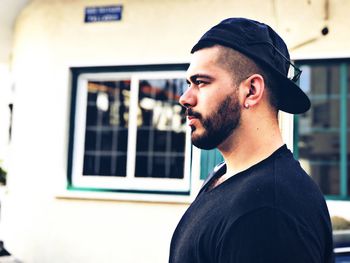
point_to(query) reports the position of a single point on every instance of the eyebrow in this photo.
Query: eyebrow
(197, 76)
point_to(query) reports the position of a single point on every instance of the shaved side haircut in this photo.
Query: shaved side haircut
(242, 67)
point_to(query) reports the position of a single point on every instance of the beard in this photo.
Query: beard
(217, 126)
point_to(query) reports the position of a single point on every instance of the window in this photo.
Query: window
(128, 132)
(322, 133)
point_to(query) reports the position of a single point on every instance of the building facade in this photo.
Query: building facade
(101, 168)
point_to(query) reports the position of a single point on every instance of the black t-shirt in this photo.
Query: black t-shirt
(271, 212)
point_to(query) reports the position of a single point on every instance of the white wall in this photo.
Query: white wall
(50, 36)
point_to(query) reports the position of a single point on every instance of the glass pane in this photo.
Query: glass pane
(319, 156)
(323, 80)
(319, 128)
(106, 132)
(160, 148)
(159, 166)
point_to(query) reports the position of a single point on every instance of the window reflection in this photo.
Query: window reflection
(161, 129)
(160, 142)
(319, 128)
(106, 133)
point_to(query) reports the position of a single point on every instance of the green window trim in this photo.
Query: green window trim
(343, 130)
(209, 159)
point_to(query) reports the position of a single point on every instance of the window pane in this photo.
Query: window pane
(320, 158)
(319, 128)
(106, 132)
(159, 166)
(160, 148)
(325, 80)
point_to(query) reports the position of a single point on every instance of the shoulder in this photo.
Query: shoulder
(294, 187)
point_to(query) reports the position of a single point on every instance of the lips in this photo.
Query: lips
(192, 116)
(192, 120)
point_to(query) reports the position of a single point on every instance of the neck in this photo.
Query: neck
(251, 143)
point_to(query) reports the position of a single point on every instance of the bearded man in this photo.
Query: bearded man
(259, 205)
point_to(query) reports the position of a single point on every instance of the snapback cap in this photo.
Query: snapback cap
(264, 46)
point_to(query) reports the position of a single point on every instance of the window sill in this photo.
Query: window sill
(132, 197)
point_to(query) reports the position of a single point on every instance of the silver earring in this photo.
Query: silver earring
(246, 105)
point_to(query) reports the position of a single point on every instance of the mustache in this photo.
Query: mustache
(191, 113)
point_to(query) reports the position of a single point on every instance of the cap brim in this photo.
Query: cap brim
(291, 98)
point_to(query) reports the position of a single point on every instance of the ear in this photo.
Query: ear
(253, 90)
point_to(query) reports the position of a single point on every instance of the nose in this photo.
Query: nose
(188, 98)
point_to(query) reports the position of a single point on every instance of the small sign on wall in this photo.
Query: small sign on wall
(103, 13)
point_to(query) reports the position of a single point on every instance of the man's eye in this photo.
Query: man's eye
(198, 82)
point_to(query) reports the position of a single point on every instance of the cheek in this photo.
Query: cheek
(208, 99)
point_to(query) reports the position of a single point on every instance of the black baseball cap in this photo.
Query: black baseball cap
(264, 46)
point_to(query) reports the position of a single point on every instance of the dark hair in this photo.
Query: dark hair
(243, 67)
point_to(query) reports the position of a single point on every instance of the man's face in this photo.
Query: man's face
(211, 100)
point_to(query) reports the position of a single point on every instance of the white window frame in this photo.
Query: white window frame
(129, 182)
